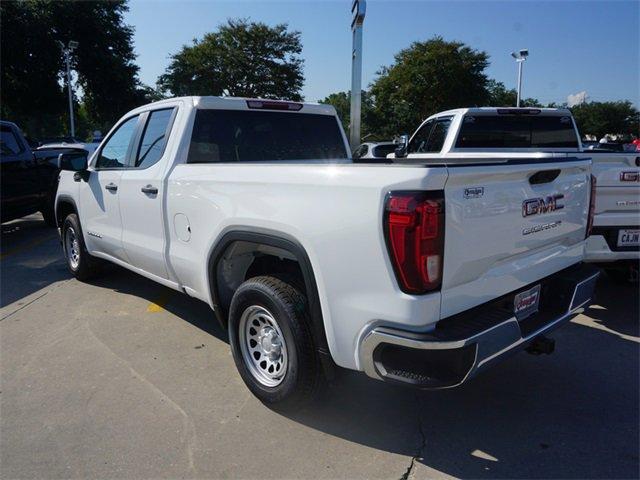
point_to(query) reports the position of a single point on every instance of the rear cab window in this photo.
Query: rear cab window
(516, 131)
(231, 136)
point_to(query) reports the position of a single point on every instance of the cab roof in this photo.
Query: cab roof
(241, 103)
(504, 111)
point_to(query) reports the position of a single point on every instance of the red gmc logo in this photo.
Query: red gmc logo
(538, 206)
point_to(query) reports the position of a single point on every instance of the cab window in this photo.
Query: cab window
(418, 143)
(438, 135)
(517, 131)
(114, 152)
(154, 138)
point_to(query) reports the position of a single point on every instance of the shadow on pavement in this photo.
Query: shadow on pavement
(192, 310)
(31, 258)
(615, 305)
(570, 415)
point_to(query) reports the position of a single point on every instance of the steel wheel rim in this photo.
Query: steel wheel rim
(263, 346)
(72, 246)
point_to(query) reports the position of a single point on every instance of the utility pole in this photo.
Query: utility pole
(67, 51)
(520, 57)
(358, 10)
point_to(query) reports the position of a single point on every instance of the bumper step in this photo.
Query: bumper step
(465, 344)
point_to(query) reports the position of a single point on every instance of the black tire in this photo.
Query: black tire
(48, 210)
(49, 215)
(288, 306)
(86, 265)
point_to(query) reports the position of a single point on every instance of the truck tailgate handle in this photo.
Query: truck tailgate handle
(544, 176)
(149, 189)
(112, 187)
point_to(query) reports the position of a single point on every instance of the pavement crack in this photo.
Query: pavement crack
(189, 434)
(419, 455)
(25, 305)
(54, 287)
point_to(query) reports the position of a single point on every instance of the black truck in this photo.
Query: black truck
(29, 178)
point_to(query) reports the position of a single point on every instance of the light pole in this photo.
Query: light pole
(67, 51)
(520, 57)
(358, 10)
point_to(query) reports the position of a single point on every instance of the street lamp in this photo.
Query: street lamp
(67, 51)
(358, 10)
(520, 57)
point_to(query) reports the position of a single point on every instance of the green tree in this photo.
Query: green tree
(600, 118)
(341, 101)
(241, 59)
(499, 96)
(426, 78)
(32, 78)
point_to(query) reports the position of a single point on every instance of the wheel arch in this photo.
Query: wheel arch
(65, 205)
(274, 240)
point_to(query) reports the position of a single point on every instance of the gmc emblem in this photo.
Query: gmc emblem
(630, 176)
(538, 206)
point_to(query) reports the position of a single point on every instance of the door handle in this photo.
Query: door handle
(544, 176)
(149, 189)
(112, 187)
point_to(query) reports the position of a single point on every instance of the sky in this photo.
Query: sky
(574, 46)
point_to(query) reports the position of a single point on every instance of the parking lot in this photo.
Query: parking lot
(123, 378)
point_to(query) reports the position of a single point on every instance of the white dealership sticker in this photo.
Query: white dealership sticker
(526, 303)
(629, 237)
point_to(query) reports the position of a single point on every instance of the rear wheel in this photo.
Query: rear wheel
(79, 262)
(272, 344)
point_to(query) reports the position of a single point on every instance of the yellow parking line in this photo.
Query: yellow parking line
(27, 246)
(158, 305)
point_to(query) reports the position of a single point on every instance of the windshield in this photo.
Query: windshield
(516, 131)
(263, 136)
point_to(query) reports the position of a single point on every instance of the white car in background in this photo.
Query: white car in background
(374, 151)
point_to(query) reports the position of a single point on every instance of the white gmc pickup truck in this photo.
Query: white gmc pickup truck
(614, 243)
(454, 135)
(421, 273)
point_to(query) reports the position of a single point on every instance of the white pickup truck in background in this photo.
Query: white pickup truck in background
(614, 242)
(454, 135)
(420, 273)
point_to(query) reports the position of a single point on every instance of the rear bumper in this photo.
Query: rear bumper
(465, 344)
(602, 246)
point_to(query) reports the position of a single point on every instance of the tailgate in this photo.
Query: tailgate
(511, 224)
(617, 188)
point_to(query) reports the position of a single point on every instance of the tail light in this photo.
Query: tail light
(592, 206)
(414, 230)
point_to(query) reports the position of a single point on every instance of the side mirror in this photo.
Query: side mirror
(401, 148)
(73, 161)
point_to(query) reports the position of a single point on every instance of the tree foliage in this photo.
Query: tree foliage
(33, 90)
(499, 96)
(341, 101)
(241, 59)
(426, 78)
(601, 118)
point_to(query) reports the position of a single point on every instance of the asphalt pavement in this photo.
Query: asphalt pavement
(123, 378)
